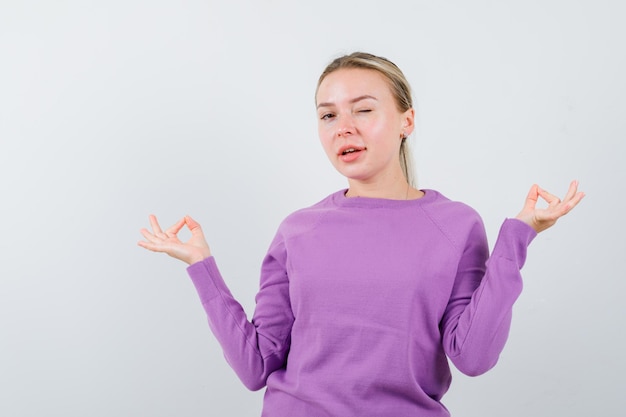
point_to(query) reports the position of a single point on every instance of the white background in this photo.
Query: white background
(111, 110)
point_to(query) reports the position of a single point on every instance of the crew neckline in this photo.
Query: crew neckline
(341, 200)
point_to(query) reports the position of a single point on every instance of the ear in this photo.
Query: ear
(408, 121)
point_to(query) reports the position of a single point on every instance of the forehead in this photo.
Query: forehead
(348, 83)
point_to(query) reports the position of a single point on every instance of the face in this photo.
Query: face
(360, 126)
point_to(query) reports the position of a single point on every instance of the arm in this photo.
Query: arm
(478, 317)
(253, 349)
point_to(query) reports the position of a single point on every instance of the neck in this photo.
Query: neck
(397, 190)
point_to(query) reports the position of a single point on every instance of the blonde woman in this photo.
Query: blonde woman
(364, 295)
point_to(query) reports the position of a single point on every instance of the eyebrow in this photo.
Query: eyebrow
(354, 100)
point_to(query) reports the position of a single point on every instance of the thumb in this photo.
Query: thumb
(193, 225)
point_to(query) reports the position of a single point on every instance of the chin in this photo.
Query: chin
(354, 176)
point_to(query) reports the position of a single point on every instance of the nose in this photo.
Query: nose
(345, 127)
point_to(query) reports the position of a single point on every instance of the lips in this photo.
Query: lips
(346, 150)
(349, 153)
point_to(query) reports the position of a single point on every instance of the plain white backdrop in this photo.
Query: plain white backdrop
(112, 110)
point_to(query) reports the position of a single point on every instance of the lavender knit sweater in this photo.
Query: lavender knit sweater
(362, 299)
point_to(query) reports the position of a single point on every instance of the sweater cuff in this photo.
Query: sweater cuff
(513, 241)
(207, 279)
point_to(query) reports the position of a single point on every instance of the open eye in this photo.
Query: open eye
(327, 116)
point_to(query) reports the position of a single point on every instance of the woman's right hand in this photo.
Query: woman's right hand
(194, 250)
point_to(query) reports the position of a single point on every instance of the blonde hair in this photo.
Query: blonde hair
(400, 89)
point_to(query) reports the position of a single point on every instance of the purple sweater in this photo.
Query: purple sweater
(362, 299)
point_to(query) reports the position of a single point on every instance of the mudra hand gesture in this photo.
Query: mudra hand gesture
(541, 219)
(197, 249)
(194, 250)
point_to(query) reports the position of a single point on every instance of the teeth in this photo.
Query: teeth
(349, 151)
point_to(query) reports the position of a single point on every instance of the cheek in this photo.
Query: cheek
(383, 132)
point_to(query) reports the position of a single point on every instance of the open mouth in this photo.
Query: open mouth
(351, 150)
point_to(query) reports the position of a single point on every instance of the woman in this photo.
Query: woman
(364, 294)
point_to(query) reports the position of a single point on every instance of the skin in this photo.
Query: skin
(194, 250)
(356, 109)
(542, 218)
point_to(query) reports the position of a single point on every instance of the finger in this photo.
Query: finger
(531, 197)
(551, 199)
(192, 224)
(154, 247)
(571, 192)
(144, 244)
(573, 202)
(156, 229)
(194, 227)
(173, 231)
(148, 236)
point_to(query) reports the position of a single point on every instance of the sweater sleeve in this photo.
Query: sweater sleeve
(477, 320)
(254, 349)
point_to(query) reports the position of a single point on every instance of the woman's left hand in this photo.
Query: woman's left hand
(542, 218)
